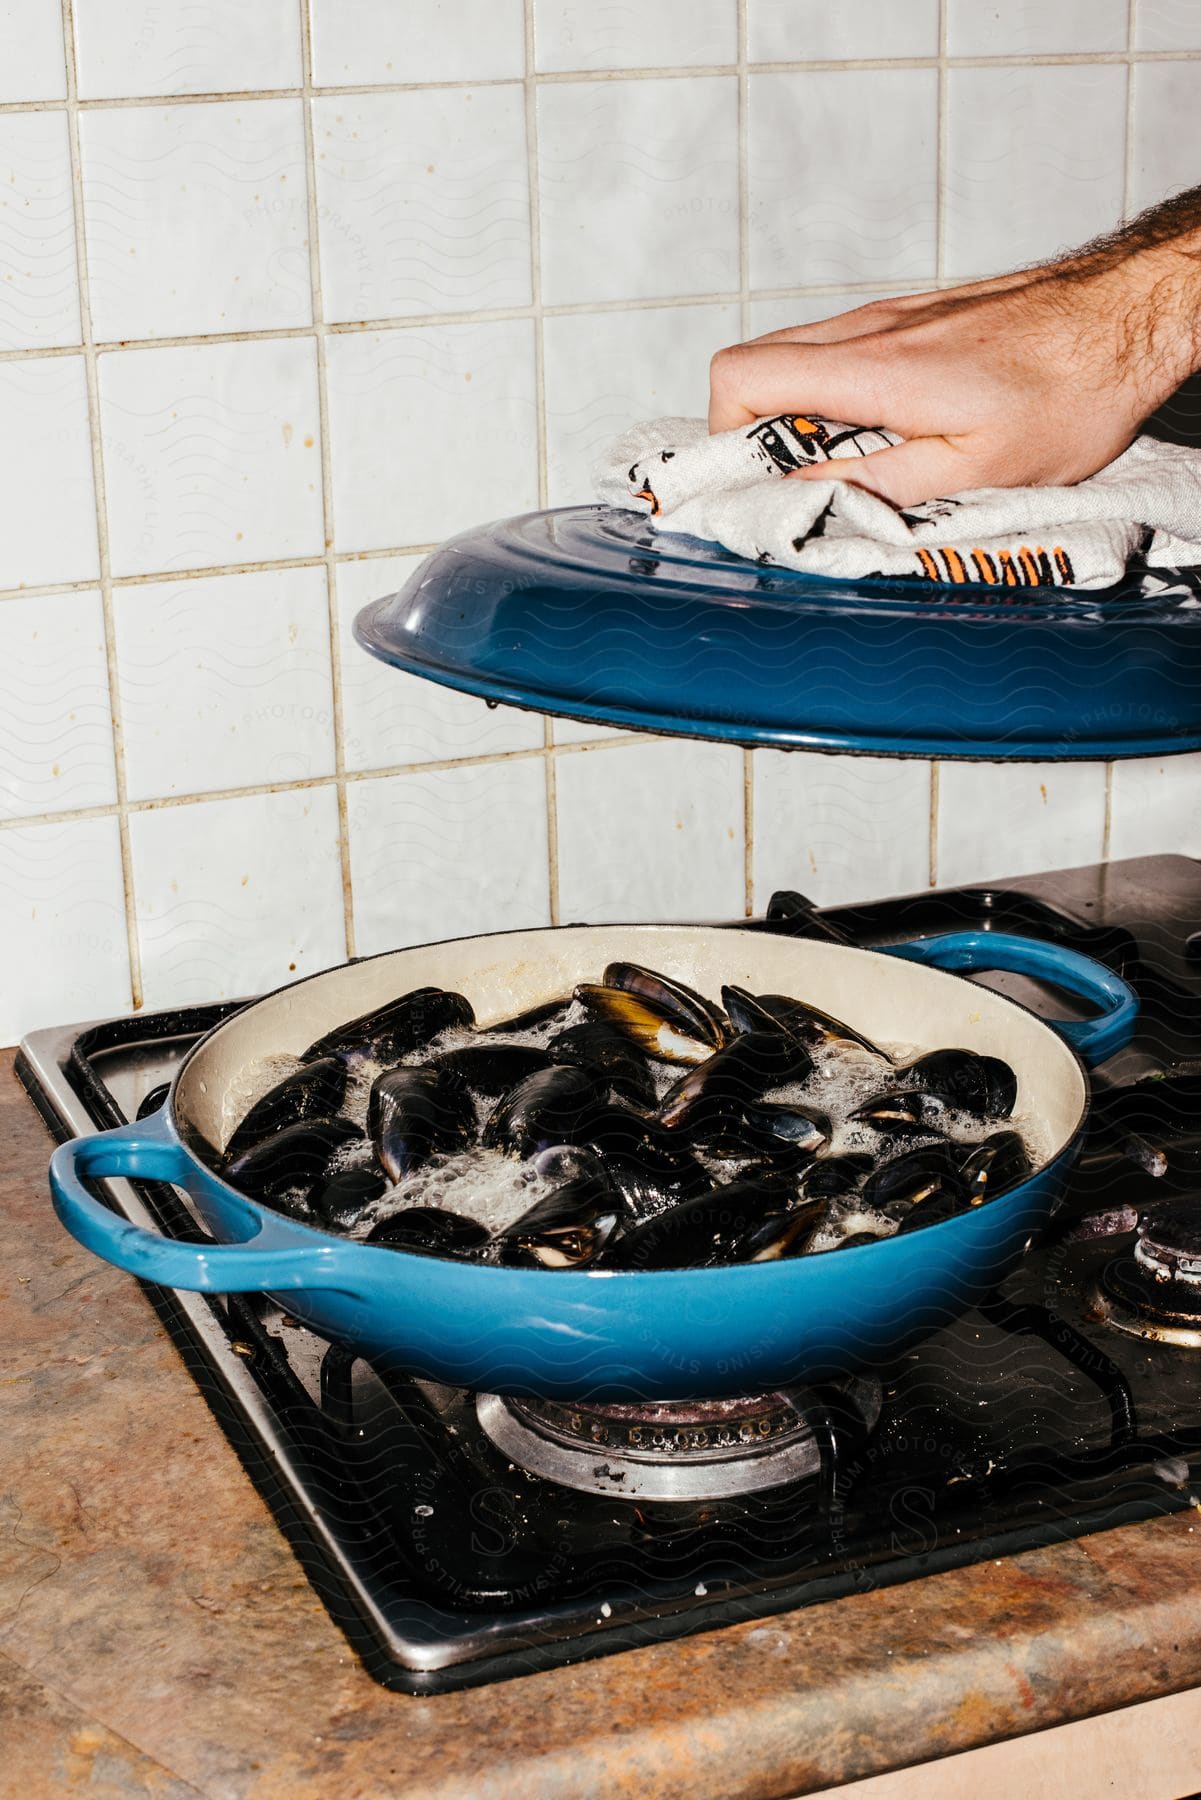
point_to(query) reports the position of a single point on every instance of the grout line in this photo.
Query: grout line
(70, 815)
(207, 574)
(935, 769)
(536, 313)
(101, 504)
(560, 77)
(1107, 825)
(744, 328)
(327, 481)
(1128, 168)
(942, 166)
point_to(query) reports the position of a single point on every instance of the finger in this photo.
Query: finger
(920, 469)
(755, 381)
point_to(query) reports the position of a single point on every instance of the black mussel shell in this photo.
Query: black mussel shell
(569, 1164)
(998, 1163)
(415, 1113)
(690, 1011)
(700, 1233)
(567, 1229)
(492, 1069)
(291, 1158)
(834, 1177)
(782, 1234)
(967, 1081)
(530, 1019)
(947, 1203)
(913, 1180)
(907, 1113)
(777, 1012)
(337, 1201)
(314, 1091)
(430, 1231)
(607, 1051)
(658, 1034)
(394, 1030)
(733, 1079)
(552, 1106)
(777, 1126)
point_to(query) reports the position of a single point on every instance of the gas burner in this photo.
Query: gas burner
(678, 1450)
(1156, 1291)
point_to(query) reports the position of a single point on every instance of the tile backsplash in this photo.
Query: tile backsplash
(289, 293)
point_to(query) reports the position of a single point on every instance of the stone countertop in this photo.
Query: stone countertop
(158, 1638)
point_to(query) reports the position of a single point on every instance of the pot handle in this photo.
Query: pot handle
(1094, 1039)
(149, 1151)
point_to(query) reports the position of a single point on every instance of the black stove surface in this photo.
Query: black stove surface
(1057, 1407)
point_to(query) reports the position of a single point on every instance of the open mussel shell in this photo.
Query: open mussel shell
(415, 1113)
(774, 1125)
(835, 1176)
(911, 1181)
(781, 1235)
(392, 1031)
(430, 1231)
(552, 1106)
(691, 1012)
(965, 1080)
(567, 1229)
(795, 1018)
(905, 1113)
(732, 1079)
(701, 1233)
(492, 1069)
(604, 1049)
(313, 1091)
(656, 1033)
(998, 1163)
(291, 1158)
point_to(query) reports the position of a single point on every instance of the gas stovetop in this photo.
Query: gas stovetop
(461, 1538)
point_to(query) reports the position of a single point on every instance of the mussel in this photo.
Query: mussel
(414, 1113)
(998, 1163)
(392, 1031)
(774, 1126)
(905, 1113)
(835, 1176)
(291, 1158)
(965, 1080)
(914, 1179)
(733, 1078)
(690, 1011)
(338, 1200)
(492, 1069)
(430, 1231)
(714, 1228)
(567, 1229)
(552, 1106)
(659, 1034)
(530, 1019)
(313, 1091)
(795, 1018)
(645, 1163)
(605, 1050)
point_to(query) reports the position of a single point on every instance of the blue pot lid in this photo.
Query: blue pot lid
(589, 613)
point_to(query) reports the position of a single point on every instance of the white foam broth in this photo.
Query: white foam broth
(496, 1189)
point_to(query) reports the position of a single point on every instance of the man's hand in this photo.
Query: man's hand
(1036, 378)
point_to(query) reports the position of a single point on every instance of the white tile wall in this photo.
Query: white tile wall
(32, 63)
(638, 184)
(842, 173)
(1167, 131)
(422, 201)
(39, 296)
(1034, 163)
(225, 682)
(210, 454)
(126, 47)
(196, 218)
(851, 31)
(289, 292)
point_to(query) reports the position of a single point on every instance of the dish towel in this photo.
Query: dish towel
(731, 488)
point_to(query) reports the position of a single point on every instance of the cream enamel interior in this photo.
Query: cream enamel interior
(887, 999)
